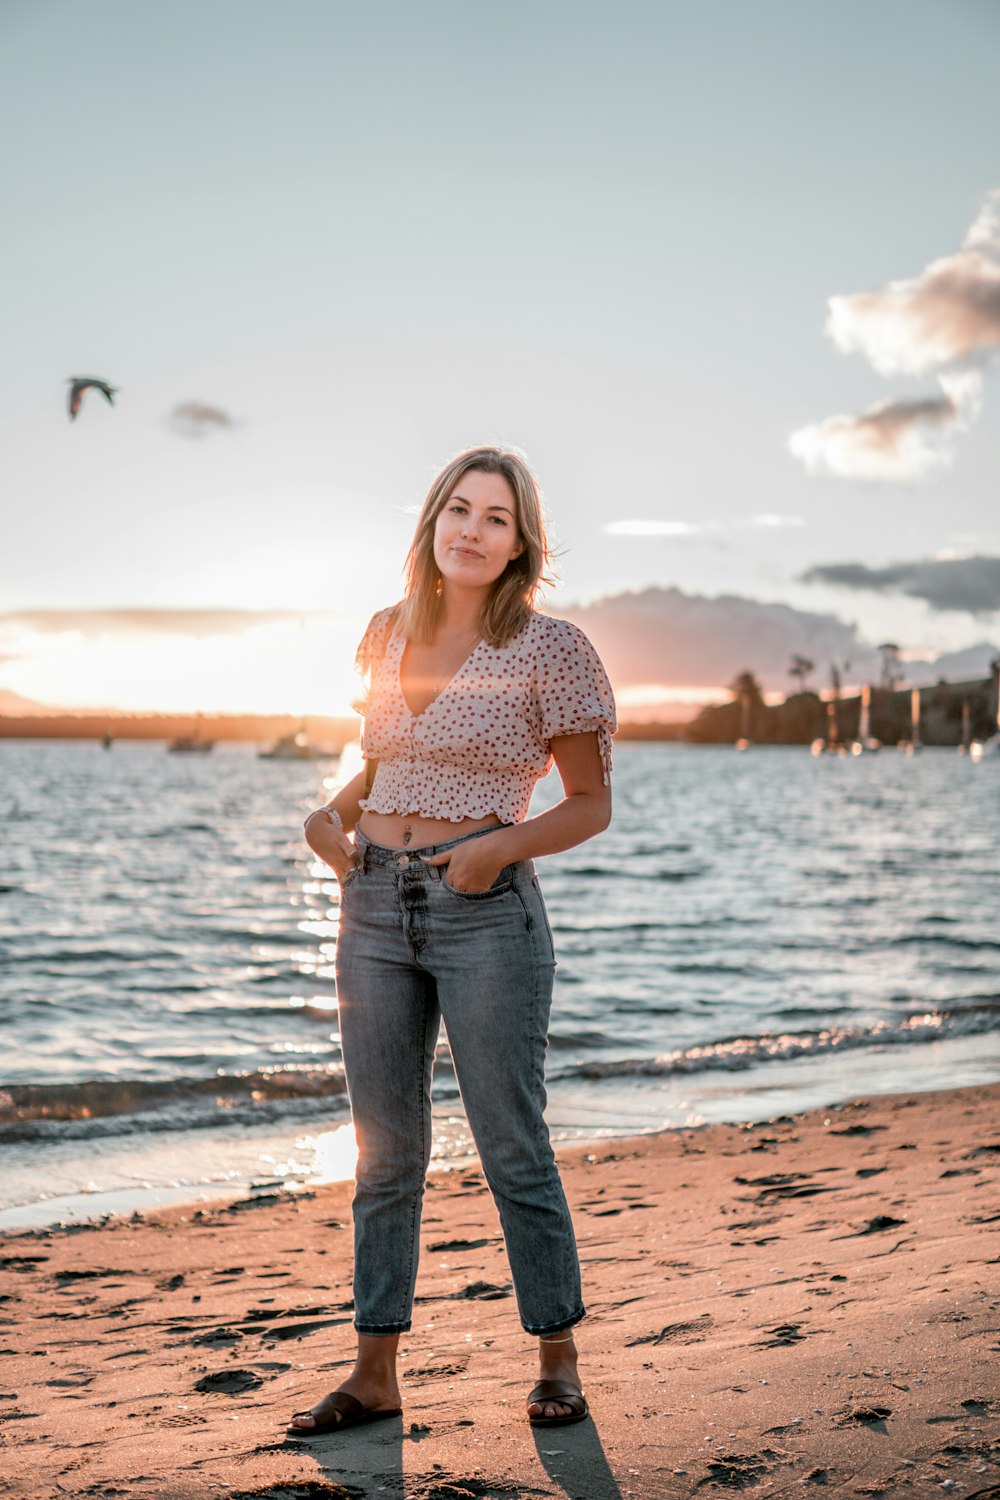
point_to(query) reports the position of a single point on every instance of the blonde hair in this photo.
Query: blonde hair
(513, 596)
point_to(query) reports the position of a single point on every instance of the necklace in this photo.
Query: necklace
(440, 683)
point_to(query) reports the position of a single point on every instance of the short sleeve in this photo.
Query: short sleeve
(370, 652)
(572, 691)
(372, 646)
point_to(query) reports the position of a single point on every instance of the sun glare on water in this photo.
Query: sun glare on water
(335, 1154)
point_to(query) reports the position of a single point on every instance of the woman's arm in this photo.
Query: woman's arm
(326, 839)
(584, 811)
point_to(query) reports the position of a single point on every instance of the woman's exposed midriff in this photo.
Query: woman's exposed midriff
(399, 830)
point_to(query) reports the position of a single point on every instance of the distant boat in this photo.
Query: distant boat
(865, 744)
(743, 743)
(107, 739)
(914, 745)
(191, 744)
(295, 747)
(831, 745)
(989, 749)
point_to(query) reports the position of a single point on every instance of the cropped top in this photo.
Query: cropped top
(481, 744)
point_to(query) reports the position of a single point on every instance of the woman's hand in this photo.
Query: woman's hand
(331, 844)
(472, 866)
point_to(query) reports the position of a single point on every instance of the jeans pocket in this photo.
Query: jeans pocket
(503, 883)
(544, 914)
(350, 877)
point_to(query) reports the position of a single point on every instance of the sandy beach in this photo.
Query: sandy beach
(810, 1304)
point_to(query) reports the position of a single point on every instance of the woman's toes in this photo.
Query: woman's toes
(307, 1420)
(536, 1409)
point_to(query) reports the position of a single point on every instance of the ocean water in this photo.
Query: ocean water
(754, 934)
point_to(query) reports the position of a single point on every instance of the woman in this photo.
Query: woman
(472, 695)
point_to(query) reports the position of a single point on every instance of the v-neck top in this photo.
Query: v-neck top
(481, 744)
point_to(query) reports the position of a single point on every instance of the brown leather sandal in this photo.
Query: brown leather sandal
(352, 1414)
(566, 1394)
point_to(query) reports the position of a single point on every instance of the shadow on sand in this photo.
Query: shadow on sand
(368, 1462)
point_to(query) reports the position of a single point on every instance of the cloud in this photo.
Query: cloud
(954, 666)
(653, 528)
(693, 640)
(195, 419)
(896, 441)
(969, 584)
(97, 622)
(948, 314)
(690, 528)
(944, 322)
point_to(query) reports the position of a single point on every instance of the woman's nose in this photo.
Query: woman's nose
(470, 526)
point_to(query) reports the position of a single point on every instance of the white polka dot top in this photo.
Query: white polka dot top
(483, 742)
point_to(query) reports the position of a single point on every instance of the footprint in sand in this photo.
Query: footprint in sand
(218, 1338)
(229, 1382)
(684, 1333)
(877, 1225)
(737, 1471)
(867, 1416)
(483, 1291)
(782, 1337)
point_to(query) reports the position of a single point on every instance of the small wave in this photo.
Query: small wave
(733, 1054)
(176, 828)
(567, 1041)
(584, 929)
(605, 872)
(742, 971)
(98, 1106)
(944, 940)
(50, 957)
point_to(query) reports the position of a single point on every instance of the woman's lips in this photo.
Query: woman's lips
(466, 552)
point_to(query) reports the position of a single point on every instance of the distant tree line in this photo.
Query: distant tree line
(804, 716)
(147, 726)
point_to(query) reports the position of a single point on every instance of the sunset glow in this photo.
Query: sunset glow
(752, 445)
(288, 667)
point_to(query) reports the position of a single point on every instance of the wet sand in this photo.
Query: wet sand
(809, 1305)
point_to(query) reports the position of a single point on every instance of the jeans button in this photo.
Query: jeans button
(403, 860)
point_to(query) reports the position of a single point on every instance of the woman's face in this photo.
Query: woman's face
(475, 534)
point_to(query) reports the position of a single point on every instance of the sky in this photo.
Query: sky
(729, 274)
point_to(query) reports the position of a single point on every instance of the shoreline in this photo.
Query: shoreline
(806, 1299)
(736, 1098)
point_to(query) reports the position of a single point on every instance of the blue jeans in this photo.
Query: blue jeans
(411, 950)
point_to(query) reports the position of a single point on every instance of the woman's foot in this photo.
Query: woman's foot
(325, 1413)
(557, 1361)
(372, 1382)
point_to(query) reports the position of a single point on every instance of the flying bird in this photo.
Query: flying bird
(80, 383)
